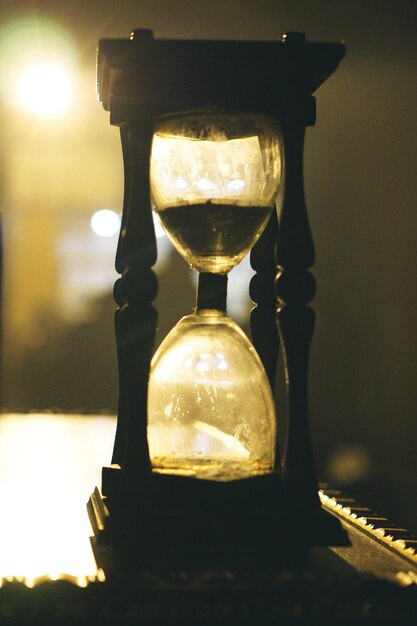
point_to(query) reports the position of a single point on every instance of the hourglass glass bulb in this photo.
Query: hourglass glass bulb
(211, 414)
(214, 180)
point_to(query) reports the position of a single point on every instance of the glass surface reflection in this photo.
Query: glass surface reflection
(211, 411)
(214, 180)
(47, 465)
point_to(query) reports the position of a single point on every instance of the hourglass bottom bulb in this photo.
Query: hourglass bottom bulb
(210, 406)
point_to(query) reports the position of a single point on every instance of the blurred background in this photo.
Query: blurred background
(61, 188)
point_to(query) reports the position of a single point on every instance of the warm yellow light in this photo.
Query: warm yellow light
(46, 471)
(38, 65)
(178, 165)
(105, 223)
(45, 89)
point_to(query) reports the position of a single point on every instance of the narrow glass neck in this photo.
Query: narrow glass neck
(211, 291)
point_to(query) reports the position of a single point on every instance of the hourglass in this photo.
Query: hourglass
(214, 180)
(211, 131)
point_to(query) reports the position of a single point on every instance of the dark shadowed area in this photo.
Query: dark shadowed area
(58, 346)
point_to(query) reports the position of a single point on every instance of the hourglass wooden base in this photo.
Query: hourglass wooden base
(250, 524)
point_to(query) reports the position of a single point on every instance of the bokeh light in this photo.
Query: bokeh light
(105, 223)
(45, 89)
(37, 66)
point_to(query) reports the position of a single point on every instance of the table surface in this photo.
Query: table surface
(49, 465)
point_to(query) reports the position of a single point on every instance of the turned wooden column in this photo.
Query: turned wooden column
(136, 318)
(262, 293)
(263, 315)
(295, 288)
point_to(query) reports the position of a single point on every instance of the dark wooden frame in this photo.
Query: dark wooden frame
(154, 519)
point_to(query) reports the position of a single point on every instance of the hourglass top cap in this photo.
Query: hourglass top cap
(165, 75)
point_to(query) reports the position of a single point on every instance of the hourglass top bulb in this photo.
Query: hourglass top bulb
(214, 181)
